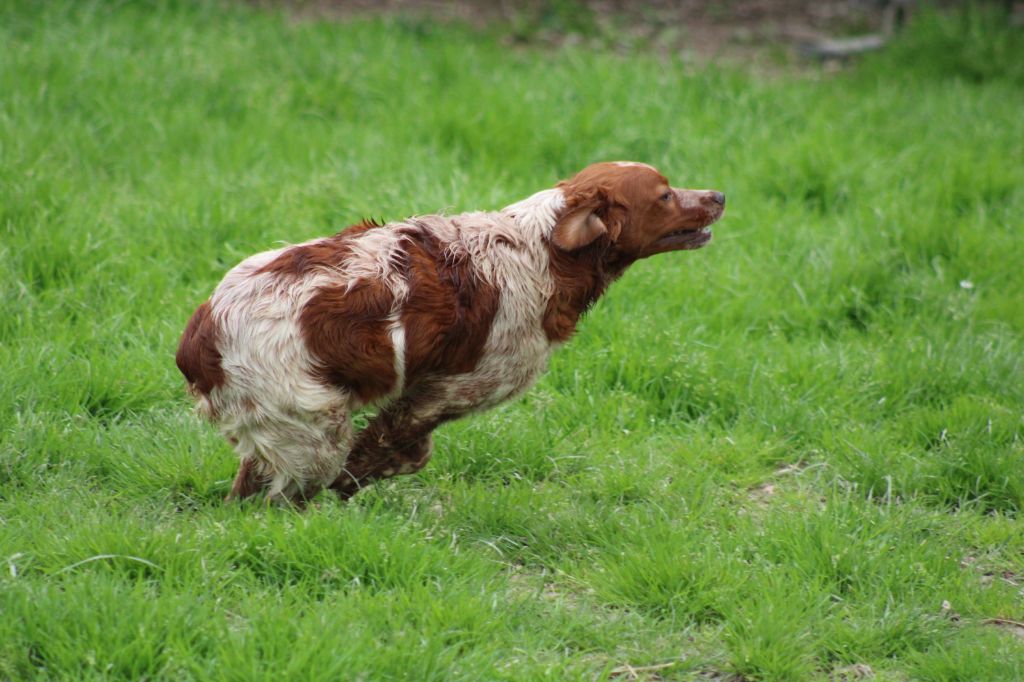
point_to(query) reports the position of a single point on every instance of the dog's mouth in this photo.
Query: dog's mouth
(690, 237)
(683, 240)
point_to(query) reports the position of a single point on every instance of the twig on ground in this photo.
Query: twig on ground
(634, 670)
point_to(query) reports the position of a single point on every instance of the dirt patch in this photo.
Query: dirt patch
(858, 671)
(729, 30)
(987, 577)
(762, 494)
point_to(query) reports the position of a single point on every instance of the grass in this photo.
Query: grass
(793, 453)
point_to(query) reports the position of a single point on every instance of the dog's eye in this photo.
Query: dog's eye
(666, 196)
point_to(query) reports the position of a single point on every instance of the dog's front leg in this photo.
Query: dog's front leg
(397, 441)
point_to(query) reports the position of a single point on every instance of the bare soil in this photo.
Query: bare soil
(730, 29)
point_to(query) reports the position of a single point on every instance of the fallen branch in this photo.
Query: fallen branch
(633, 671)
(842, 48)
(1003, 621)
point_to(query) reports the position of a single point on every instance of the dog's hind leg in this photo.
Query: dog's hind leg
(309, 455)
(292, 457)
(247, 482)
(252, 475)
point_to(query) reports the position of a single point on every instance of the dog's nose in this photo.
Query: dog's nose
(718, 198)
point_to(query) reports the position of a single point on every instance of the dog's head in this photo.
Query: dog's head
(631, 208)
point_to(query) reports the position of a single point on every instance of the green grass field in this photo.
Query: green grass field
(795, 452)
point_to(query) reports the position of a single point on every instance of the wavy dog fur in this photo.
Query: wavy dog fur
(430, 318)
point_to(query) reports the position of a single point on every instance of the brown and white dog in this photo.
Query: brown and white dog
(430, 318)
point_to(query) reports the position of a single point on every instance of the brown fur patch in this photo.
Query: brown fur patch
(347, 331)
(197, 356)
(579, 278)
(324, 253)
(448, 314)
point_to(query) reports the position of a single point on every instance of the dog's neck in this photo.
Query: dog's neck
(578, 277)
(537, 214)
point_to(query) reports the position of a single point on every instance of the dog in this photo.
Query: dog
(428, 319)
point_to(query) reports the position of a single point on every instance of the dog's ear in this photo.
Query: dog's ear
(577, 229)
(582, 225)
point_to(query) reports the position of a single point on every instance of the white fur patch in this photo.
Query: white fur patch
(396, 331)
